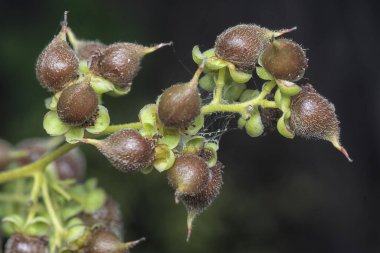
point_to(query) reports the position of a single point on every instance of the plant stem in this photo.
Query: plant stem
(58, 229)
(114, 128)
(17, 198)
(38, 177)
(28, 170)
(220, 82)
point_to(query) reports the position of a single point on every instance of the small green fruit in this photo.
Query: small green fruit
(78, 105)
(284, 59)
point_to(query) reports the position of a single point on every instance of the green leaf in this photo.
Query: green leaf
(101, 122)
(53, 124)
(94, 200)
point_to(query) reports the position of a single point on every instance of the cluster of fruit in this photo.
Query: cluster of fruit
(167, 136)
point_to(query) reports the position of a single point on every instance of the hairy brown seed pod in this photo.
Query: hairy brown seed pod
(77, 104)
(242, 44)
(119, 63)
(284, 59)
(71, 165)
(189, 175)
(87, 49)
(102, 241)
(57, 65)
(20, 243)
(108, 216)
(313, 116)
(181, 103)
(195, 204)
(126, 149)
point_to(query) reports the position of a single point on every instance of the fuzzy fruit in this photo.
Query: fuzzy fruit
(180, 104)
(88, 49)
(78, 105)
(126, 149)
(20, 243)
(71, 165)
(189, 175)
(196, 204)
(313, 116)
(57, 65)
(284, 59)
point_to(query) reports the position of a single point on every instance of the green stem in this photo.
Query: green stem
(38, 177)
(115, 128)
(58, 228)
(17, 198)
(220, 82)
(28, 170)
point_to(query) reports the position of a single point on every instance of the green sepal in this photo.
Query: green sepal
(74, 135)
(283, 129)
(215, 63)
(164, 159)
(51, 102)
(101, 85)
(148, 130)
(101, 122)
(248, 95)
(196, 125)
(38, 226)
(197, 55)
(193, 144)
(209, 53)
(263, 74)
(233, 91)
(278, 97)
(241, 122)
(117, 92)
(254, 126)
(285, 103)
(53, 124)
(147, 170)
(94, 200)
(70, 210)
(268, 86)
(213, 148)
(288, 88)
(14, 221)
(169, 137)
(83, 67)
(207, 82)
(239, 76)
(148, 114)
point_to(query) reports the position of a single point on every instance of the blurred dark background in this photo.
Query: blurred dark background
(279, 195)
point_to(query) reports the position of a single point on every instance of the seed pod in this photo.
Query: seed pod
(120, 62)
(284, 59)
(87, 49)
(71, 166)
(313, 116)
(20, 243)
(102, 241)
(180, 104)
(189, 175)
(109, 216)
(57, 65)
(242, 45)
(34, 147)
(5, 149)
(196, 204)
(126, 149)
(78, 104)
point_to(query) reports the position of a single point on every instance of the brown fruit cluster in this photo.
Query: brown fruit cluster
(20, 243)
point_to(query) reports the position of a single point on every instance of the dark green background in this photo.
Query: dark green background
(279, 195)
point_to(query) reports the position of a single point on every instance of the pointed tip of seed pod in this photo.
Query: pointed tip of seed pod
(190, 218)
(130, 245)
(89, 141)
(149, 50)
(339, 147)
(283, 31)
